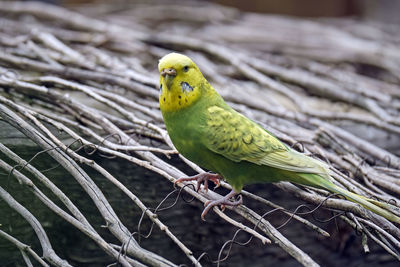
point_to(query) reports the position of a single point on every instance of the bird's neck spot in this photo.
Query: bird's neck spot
(179, 96)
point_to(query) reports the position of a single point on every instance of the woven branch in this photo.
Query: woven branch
(301, 79)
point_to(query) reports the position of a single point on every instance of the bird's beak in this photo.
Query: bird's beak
(169, 75)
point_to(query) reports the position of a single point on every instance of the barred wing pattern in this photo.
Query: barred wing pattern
(239, 139)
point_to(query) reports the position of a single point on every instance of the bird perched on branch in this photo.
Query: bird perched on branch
(208, 132)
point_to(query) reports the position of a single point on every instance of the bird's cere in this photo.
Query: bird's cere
(170, 71)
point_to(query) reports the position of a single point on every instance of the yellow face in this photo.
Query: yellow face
(180, 82)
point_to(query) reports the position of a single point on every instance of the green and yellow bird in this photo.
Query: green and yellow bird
(208, 132)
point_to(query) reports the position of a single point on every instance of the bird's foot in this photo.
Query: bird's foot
(202, 178)
(224, 201)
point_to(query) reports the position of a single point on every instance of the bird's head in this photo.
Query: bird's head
(181, 82)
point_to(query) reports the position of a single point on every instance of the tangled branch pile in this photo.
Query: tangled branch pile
(91, 74)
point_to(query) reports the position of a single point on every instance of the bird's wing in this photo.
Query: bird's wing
(239, 139)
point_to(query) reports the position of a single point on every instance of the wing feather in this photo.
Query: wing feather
(239, 139)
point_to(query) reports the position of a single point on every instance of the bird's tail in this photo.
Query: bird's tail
(380, 208)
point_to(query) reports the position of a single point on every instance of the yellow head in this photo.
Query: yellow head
(181, 82)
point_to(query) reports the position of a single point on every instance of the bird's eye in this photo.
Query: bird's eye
(186, 68)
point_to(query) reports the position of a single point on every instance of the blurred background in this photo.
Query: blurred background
(383, 10)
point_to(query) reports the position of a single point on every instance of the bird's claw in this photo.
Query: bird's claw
(202, 178)
(216, 181)
(225, 201)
